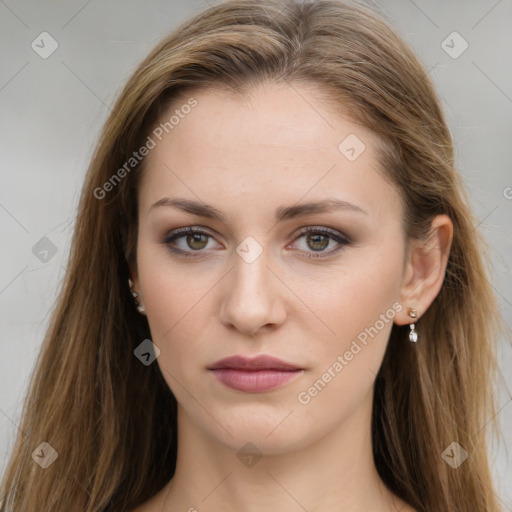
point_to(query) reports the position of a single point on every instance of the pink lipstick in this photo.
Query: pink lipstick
(254, 375)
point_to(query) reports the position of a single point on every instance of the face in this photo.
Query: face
(316, 288)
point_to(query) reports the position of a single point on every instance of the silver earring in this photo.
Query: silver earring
(140, 307)
(130, 284)
(413, 335)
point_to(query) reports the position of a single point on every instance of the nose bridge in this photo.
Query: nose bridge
(250, 277)
(250, 301)
(251, 272)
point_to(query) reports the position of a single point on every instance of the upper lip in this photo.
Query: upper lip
(262, 362)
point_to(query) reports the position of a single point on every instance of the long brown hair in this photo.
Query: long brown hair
(112, 420)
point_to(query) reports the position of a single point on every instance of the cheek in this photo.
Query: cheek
(177, 311)
(352, 301)
(177, 314)
(172, 291)
(358, 307)
(166, 294)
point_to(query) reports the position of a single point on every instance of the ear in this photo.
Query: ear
(425, 269)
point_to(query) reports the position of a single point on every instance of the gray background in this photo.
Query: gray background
(53, 108)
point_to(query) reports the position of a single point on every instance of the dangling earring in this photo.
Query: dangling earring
(140, 307)
(413, 335)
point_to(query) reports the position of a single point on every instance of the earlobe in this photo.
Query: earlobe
(136, 295)
(425, 270)
(133, 276)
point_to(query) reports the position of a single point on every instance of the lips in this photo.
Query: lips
(254, 375)
(254, 364)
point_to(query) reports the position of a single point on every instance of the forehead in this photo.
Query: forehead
(278, 141)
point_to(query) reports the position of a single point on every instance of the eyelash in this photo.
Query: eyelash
(333, 235)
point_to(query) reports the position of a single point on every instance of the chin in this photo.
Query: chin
(271, 432)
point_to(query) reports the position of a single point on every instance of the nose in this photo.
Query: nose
(252, 298)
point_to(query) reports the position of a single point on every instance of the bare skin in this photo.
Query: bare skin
(248, 156)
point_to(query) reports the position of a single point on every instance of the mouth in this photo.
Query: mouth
(254, 375)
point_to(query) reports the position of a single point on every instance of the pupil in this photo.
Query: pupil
(196, 238)
(320, 242)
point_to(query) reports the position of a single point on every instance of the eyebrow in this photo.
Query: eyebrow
(282, 213)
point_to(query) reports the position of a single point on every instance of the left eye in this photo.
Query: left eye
(316, 239)
(319, 239)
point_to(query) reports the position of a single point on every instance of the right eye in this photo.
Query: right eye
(192, 239)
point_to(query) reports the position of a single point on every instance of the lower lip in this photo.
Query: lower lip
(254, 381)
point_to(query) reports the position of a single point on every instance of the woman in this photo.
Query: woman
(275, 298)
